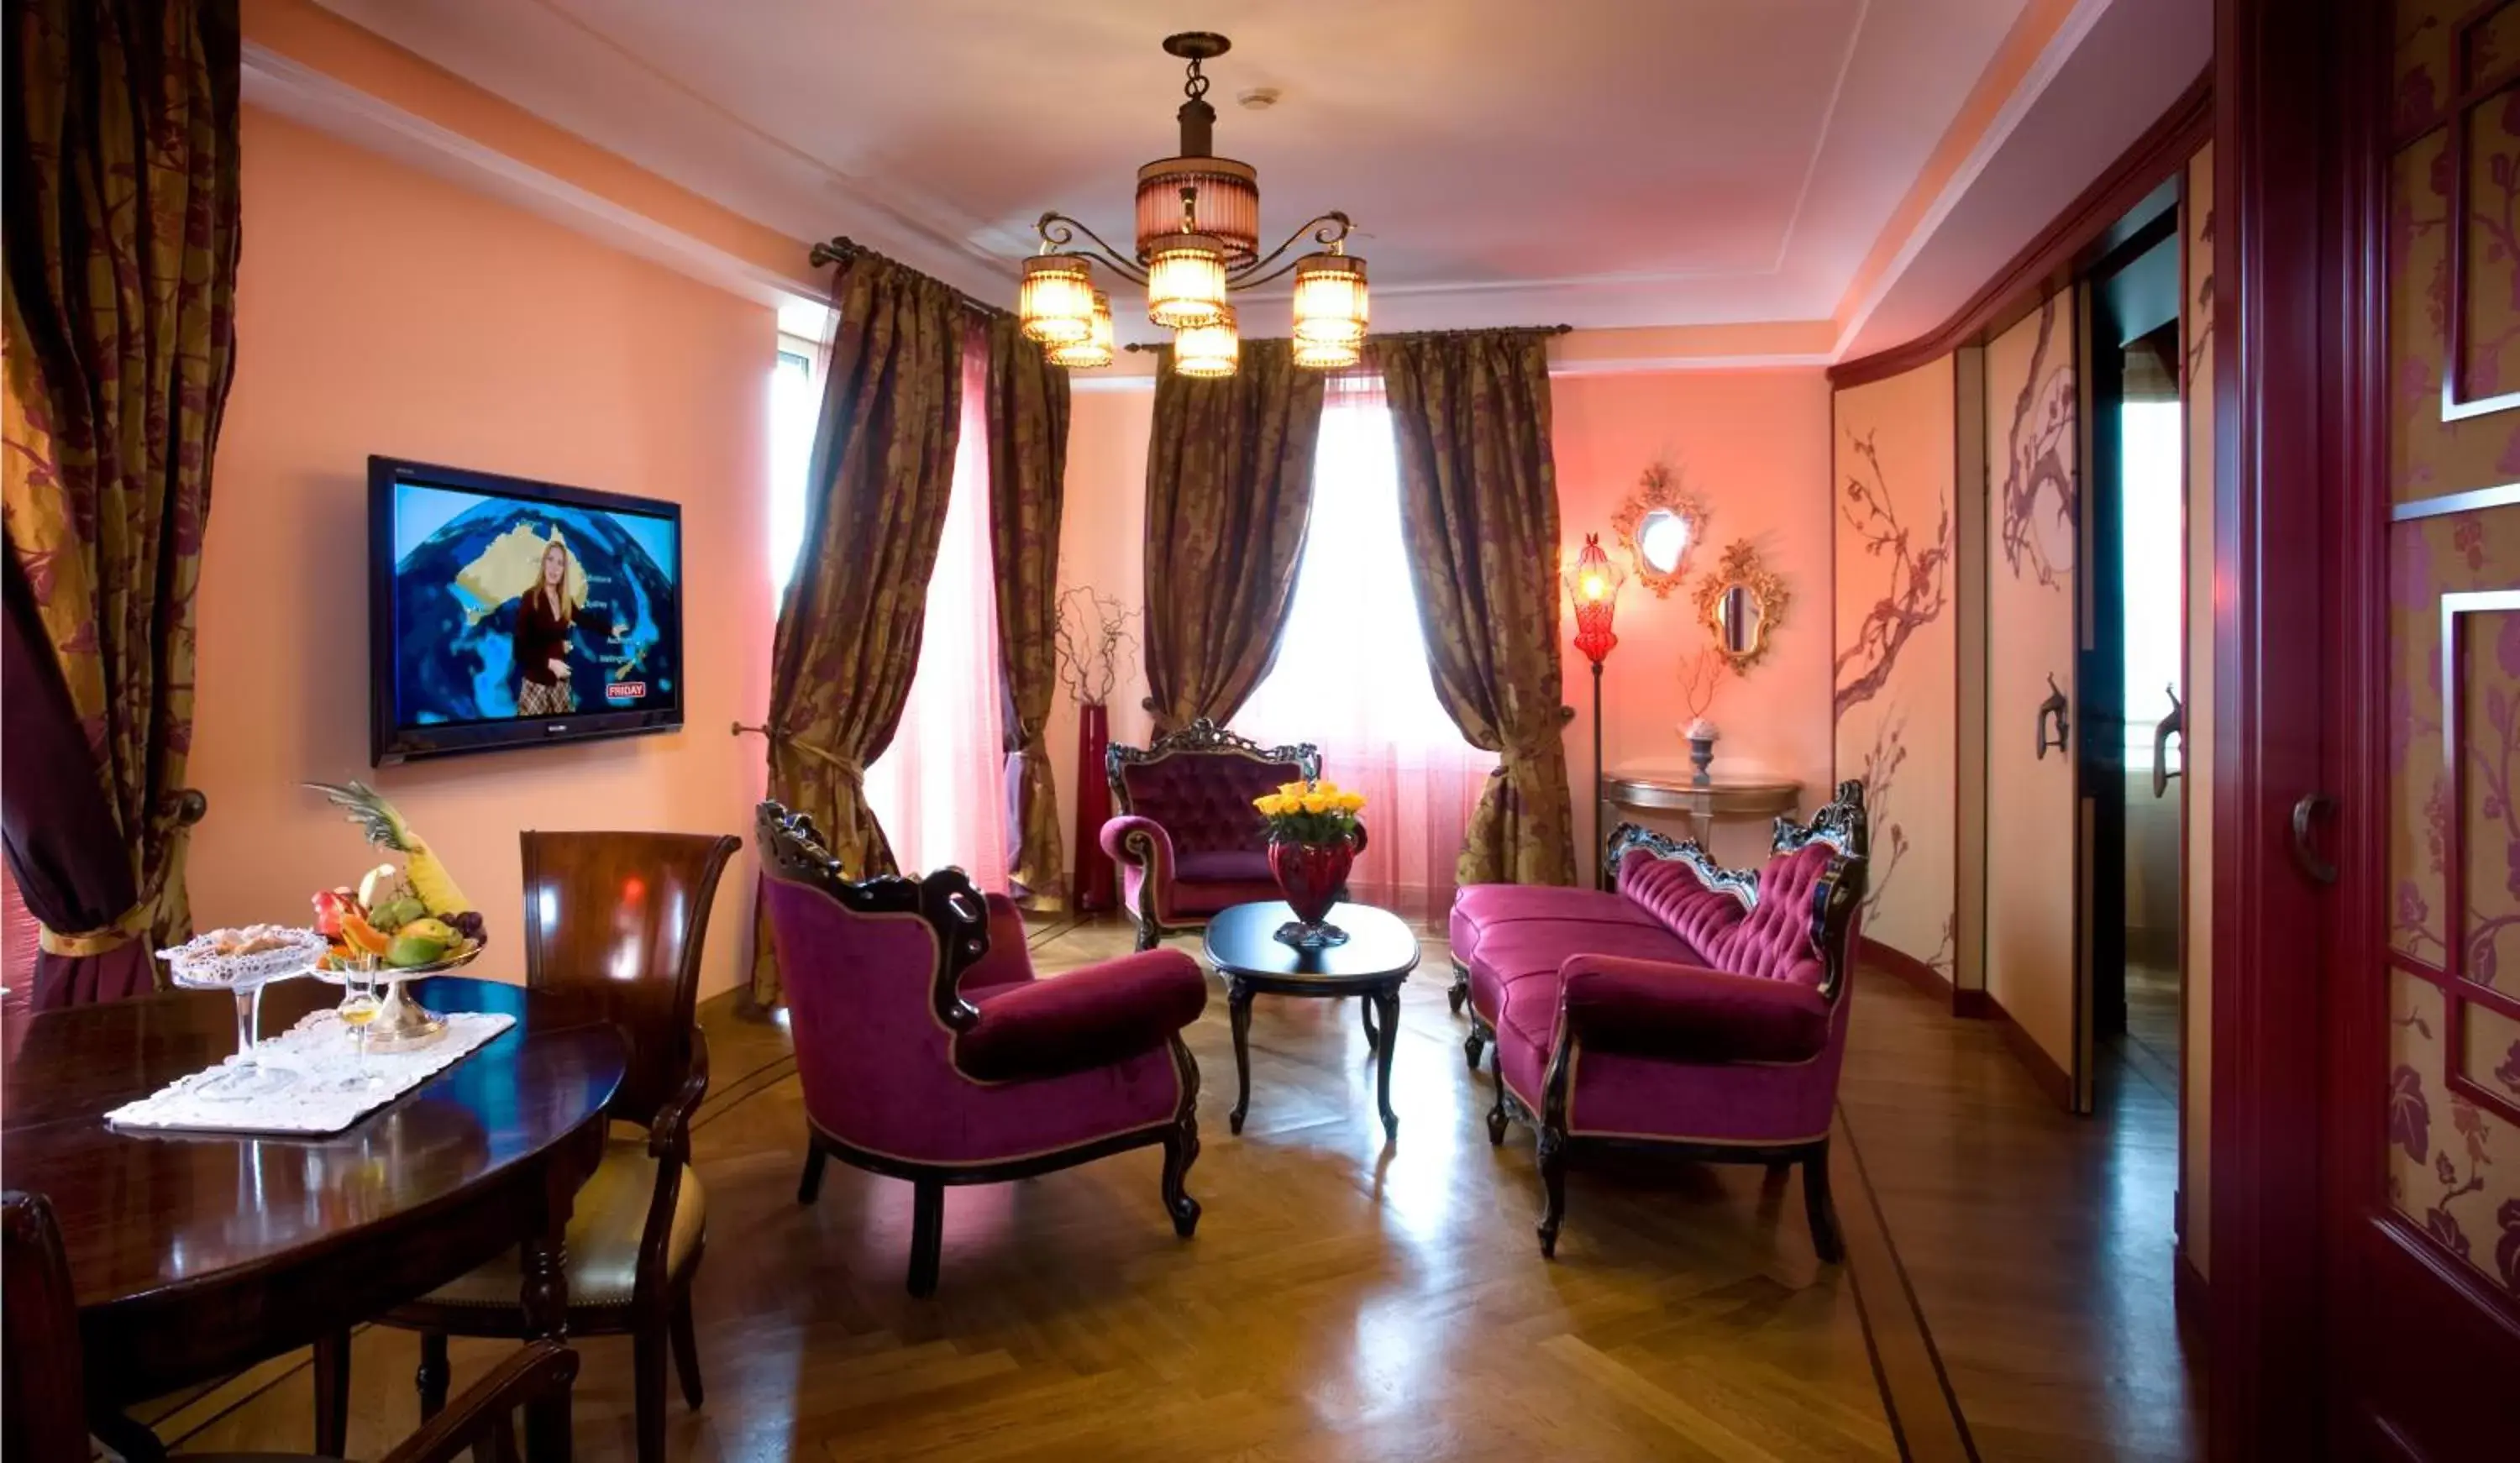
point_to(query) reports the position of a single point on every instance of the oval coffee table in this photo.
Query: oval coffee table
(1380, 952)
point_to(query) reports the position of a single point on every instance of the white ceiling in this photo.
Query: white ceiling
(1597, 162)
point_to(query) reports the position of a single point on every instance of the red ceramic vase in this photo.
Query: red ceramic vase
(1311, 875)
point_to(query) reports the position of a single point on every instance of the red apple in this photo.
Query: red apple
(330, 906)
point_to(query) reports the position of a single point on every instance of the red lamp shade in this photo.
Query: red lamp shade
(1592, 583)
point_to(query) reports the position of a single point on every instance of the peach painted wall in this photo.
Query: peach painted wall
(1755, 445)
(381, 310)
(1102, 542)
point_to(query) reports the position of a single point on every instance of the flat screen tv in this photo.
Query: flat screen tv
(506, 612)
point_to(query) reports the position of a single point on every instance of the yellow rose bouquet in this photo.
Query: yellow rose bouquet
(1310, 813)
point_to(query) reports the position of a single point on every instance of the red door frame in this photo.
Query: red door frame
(2288, 448)
(2336, 1330)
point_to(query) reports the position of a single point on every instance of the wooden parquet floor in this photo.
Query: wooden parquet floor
(1342, 1299)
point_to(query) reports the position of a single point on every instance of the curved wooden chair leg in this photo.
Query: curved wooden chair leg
(1553, 1179)
(1497, 1117)
(433, 1374)
(687, 1351)
(1820, 1210)
(1181, 1150)
(926, 1236)
(647, 1388)
(810, 1183)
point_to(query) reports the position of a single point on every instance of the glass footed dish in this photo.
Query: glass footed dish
(200, 965)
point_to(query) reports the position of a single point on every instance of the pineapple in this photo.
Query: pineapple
(386, 828)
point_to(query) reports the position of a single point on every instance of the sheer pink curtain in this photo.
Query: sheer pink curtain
(940, 786)
(1351, 673)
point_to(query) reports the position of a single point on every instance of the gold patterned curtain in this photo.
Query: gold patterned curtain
(119, 166)
(1228, 491)
(1028, 414)
(1478, 510)
(847, 642)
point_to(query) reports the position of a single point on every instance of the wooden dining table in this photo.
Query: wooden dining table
(197, 1255)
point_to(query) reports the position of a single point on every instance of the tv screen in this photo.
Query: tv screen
(503, 612)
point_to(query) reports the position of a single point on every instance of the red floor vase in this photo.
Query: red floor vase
(1095, 879)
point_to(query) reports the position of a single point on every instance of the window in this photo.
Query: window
(938, 789)
(1351, 672)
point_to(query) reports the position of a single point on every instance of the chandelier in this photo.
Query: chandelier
(1198, 243)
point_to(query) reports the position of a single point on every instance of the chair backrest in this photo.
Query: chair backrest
(45, 1418)
(1199, 781)
(1794, 919)
(620, 919)
(872, 969)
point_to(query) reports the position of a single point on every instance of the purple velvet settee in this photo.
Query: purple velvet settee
(1695, 1010)
(1184, 832)
(927, 1051)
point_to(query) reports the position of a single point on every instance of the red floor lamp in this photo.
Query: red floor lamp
(1592, 584)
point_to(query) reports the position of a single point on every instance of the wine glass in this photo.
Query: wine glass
(361, 1002)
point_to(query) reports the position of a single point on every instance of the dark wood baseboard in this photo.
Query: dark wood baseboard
(1972, 1005)
(2187, 1287)
(2051, 1079)
(1906, 968)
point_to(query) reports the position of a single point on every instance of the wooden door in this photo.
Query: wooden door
(2033, 958)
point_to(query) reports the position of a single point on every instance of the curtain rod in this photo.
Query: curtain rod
(1504, 330)
(840, 248)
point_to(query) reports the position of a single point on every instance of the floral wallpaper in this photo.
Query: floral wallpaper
(1895, 694)
(2454, 1156)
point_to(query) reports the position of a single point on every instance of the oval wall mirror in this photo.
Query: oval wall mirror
(1660, 526)
(1742, 602)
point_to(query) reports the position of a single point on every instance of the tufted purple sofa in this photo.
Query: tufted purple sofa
(1186, 836)
(1695, 1008)
(926, 1049)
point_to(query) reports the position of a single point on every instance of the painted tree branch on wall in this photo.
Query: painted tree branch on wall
(2039, 457)
(1918, 579)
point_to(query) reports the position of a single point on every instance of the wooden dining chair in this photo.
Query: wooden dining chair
(43, 1415)
(618, 920)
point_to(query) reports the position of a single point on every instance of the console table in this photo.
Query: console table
(1732, 795)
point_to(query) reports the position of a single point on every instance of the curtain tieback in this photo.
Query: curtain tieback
(106, 940)
(855, 772)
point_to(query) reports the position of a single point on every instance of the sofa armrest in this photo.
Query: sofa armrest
(1086, 1018)
(1688, 1014)
(1139, 843)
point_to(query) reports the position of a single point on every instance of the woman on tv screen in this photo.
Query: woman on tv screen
(546, 613)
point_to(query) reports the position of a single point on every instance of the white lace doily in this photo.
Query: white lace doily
(310, 1081)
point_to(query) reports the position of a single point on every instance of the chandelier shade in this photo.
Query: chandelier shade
(1327, 355)
(1057, 299)
(1186, 281)
(1097, 348)
(1208, 351)
(1331, 299)
(1217, 196)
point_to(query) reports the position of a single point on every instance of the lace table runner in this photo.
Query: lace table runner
(311, 1081)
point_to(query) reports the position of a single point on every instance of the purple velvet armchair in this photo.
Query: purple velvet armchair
(928, 1050)
(1185, 834)
(1695, 1010)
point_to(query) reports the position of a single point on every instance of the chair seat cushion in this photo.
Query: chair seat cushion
(1686, 1014)
(1223, 867)
(605, 1229)
(1086, 1018)
(1207, 897)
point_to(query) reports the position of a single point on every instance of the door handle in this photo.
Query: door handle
(2312, 806)
(2175, 724)
(2054, 706)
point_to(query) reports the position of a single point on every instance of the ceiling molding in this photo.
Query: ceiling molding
(2007, 118)
(317, 100)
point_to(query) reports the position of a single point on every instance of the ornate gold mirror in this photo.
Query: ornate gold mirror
(1659, 525)
(1742, 602)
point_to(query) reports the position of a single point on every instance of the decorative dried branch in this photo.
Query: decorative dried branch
(1091, 640)
(1917, 592)
(1699, 678)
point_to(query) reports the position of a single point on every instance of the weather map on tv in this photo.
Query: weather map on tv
(507, 608)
